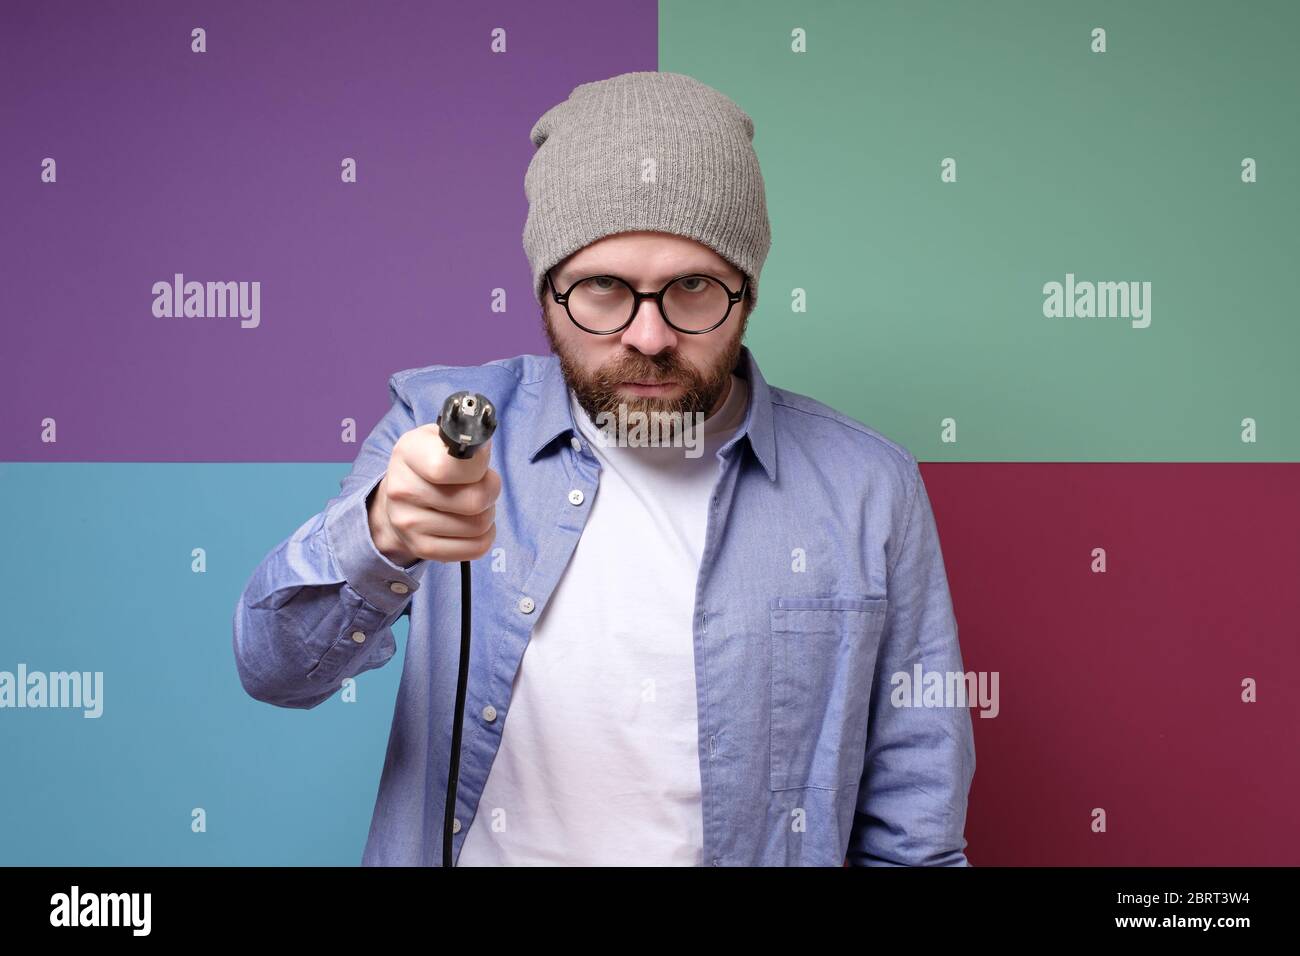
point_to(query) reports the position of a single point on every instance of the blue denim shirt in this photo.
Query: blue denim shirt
(821, 578)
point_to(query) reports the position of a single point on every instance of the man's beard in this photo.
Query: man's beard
(598, 393)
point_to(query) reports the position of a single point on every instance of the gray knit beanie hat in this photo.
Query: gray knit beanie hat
(590, 177)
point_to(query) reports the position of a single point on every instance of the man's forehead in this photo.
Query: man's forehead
(633, 266)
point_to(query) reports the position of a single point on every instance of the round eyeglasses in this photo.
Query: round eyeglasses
(605, 304)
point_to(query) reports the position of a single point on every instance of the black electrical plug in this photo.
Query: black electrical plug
(467, 421)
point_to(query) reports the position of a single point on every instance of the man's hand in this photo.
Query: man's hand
(431, 506)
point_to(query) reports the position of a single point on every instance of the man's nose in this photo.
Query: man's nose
(649, 333)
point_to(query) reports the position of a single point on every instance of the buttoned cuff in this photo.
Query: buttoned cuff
(379, 581)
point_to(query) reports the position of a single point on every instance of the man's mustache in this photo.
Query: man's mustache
(654, 373)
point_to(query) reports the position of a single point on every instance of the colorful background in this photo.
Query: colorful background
(924, 299)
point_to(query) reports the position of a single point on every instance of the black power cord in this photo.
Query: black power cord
(466, 422)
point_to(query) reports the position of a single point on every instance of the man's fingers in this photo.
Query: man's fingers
(426, 454)
(408, 487)
(416, 524)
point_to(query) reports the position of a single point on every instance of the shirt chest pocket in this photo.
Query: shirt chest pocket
(823, 659)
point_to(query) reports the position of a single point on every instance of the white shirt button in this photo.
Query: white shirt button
(359, 636)
(455, 826)
(397, 587)
(575, 496)
(489, 713)
(577, 445)
(526, 605)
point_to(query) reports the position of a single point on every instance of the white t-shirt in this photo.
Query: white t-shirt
(599, 757)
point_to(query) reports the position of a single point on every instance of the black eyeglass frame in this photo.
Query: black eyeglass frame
(562, 298)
